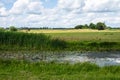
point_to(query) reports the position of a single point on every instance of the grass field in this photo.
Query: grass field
(70, 40)
(87, 40)
(70, 30)
(21, 70)
(96, 40)
(82, 35)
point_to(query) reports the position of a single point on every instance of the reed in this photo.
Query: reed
(19, 40)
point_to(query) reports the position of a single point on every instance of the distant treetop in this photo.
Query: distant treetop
(99, 26)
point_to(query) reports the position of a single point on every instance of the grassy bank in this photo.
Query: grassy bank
(86, 42)
(17, 40)
(29, 41)
(21, 70)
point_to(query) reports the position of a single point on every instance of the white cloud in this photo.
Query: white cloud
(67, 13)
(71, 5)
(102, 5)
(35, 7)
(19, 7)
(26, 6)
(3, 11)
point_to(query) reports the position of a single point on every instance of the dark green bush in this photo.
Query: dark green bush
(13, 28)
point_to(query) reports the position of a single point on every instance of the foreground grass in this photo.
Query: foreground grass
(21, 70)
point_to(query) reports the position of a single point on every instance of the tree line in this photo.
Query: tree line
(99, 26)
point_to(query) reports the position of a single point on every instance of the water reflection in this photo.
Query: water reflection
(99, 58)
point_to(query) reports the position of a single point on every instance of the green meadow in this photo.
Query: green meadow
(111, 35)
(22, 70)
(58, 40)
(88, 36)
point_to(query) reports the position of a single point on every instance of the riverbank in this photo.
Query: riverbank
(22, 70)
(28, 56)
(17, 41)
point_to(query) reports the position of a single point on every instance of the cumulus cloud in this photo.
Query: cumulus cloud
(102, 5)
(3, 11)
(19, 7)
(71, 5)
(35, 7)
(66, 13)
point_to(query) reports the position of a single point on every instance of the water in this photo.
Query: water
(99, 58)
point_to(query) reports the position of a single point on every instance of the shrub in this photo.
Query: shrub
(13, 28)
(2, 29)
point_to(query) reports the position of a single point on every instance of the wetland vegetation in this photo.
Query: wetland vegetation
(72, 41)
(22, 70)
(14, 68)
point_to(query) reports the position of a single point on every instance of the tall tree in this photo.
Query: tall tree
(92, 26)
(101, 26)
(79, 27)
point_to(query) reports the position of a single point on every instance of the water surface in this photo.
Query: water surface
(99, 58)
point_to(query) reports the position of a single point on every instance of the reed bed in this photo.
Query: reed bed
(19, 40)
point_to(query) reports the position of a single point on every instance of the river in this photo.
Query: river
(100, 58)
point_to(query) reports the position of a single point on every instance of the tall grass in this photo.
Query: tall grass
(30, 41)
(58, 44)
(25, 40)
(21, 70)
(93, 46)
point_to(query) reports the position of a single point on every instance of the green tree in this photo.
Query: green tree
(79, 27)
(13, 28)
(101, 26)
(85, 26)
(92, 26)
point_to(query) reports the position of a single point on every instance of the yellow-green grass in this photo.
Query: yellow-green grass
(68, 30)
(82, 34)
(88, 36)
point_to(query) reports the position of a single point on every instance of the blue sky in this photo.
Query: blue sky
(46, 3)
(49, 3)
(8, 3)
(58, 13)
